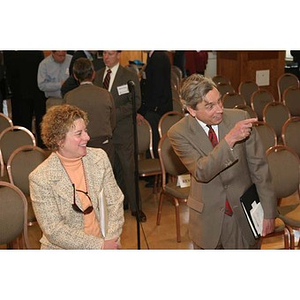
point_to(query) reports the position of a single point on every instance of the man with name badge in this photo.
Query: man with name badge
(115, 79)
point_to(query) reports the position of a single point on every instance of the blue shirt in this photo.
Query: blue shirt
(52, 74)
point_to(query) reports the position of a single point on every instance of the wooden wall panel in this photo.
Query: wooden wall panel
(242, 65)
(126, 56)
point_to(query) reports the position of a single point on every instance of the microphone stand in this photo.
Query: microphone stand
(131, 88)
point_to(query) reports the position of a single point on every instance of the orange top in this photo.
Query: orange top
(75, 170)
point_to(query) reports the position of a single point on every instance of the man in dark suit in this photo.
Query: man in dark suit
(97, 102)
(28, 100)
(222, 170)
(156, 92)
(123, 135)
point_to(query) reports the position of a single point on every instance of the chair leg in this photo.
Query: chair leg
(292, 237)
(286, 239)
(158, 183)
(155, 185)
(177, 215)
(159, 208)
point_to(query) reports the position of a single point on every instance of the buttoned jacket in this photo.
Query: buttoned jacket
(123, 102)
(221, 173)
(52, 196)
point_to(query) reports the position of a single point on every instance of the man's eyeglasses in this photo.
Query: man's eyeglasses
(76, 207)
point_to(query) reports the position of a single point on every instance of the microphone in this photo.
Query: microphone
(131, 85)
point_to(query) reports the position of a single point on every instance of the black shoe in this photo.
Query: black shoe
(142, 216)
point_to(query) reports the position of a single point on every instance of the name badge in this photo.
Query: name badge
(184, 180)
(144, 75)
(123, 89)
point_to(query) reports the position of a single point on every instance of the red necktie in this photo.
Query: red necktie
(107, 79)
(214, 141)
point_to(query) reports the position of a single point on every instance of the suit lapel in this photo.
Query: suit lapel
(94, 185)
(100, 77)
(116, 80)
(61, 183)
(198, 136)
(225, 125)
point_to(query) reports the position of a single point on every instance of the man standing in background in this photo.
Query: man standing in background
(115, 79)
(53, 72)
(97, 102)
(28, 101)
(156, 92)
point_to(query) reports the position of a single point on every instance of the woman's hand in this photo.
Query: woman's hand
(112, 244)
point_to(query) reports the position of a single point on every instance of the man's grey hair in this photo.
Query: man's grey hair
(194, 89)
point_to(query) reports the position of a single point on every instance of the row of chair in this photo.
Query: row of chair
(19, 155)
(247, 88)
(263, 108)
(261, 97)
(22, 161)
(289, 134)
(254, 99)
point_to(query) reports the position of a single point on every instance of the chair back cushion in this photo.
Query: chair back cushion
(230, 100)
(291, 98)
(290, 134)
(21, 163)
(11, 214)
(259, 100)
(267, 134)
(12, 139)
(284, 167)
(275, 114)
(171, 162)
(247, 88)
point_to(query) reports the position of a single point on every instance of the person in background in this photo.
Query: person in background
(156, 91)
(195, 62)
(10, 60)
(97, 102)
(179, 61)
(224, 161)
(296, 58)
(76, 200)
(156, 97)
(115, 79)
(28, 101)
(71, 83)
(53, 71)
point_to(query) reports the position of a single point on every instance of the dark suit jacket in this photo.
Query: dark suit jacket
(157, 94)
(123, 103)
(221, 173)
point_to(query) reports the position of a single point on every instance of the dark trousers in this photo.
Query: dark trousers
(29, 108)
(124, 172)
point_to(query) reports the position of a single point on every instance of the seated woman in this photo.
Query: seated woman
(75, 197)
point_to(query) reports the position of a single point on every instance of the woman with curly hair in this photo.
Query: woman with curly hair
(75, 197)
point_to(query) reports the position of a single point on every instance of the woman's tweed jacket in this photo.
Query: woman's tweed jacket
(51, 192)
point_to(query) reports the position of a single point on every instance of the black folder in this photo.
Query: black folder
(247, 199)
